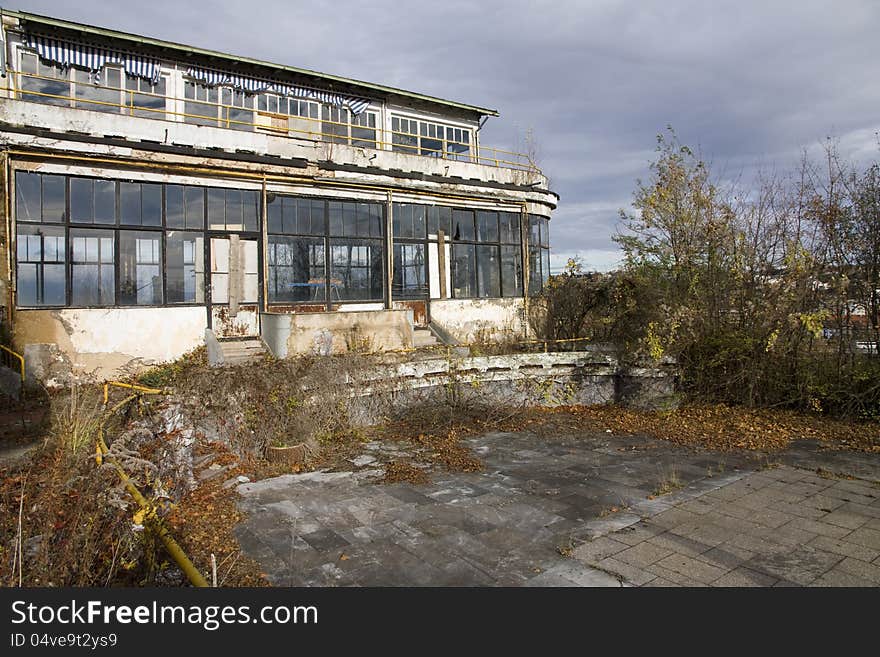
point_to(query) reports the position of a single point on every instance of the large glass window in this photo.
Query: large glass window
(40, 197)
(41, 256)
(325, 251)
(488, 271)
(185, 207)
(233, 209)
(185, 266)
(539, 253)
(408, 221)
(511, 271)
(140, 204)
(92, 201)
(103, 97)
(356, 270)
(144, 98)
(200, 104)
(464, 271)
(92, 259)
(296, 269)
(140, 268)
(410, 278)
(48, 83)
(429, 138)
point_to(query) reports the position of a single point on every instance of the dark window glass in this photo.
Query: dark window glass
(217, 209)
(511, 271)
(464, 271)
(410, 271)
(175, 209)
(185, 207)
(104, 97)
(140, 268)
(545, 266)
(92, 270)
(534, 230)
(488, 272)
(440, 218)
(234, 215)
(194, 197)
(28, 206)
(335, 215)
(409, 221)
(130, 203)
(463, 225)
(274, 212)
(41, 257)
(545, 233)
(296, 269)
(509, 230)
(92, 201)
(52, 91)
(535, 279)
(356, 270)
(151, 204)
(487, 226)
(185, 267)
(53, 198)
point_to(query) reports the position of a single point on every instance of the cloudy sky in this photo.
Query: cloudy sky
(748, 82)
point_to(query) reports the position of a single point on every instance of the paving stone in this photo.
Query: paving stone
(819, 528)
(679, 544)
(836, 577)
(861, 569)
(596, 550)
(845, 548)
(676, 578)
(583, 575)
(725, 556)
(643, 554)
(745, 577)
(705, 532)
(635, 534)
(692, 568)
(801, 565)
(845, 519)
(631, 574)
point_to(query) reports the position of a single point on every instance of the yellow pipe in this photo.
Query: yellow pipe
(130, 386)
(155, 522)
(20, 360)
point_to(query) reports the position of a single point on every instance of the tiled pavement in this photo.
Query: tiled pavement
(576, 511)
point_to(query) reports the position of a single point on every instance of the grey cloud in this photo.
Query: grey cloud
(746, 81)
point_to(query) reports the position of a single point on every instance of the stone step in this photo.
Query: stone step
(424, 338)
(235, 352)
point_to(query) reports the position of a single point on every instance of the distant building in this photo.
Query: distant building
(160, 195)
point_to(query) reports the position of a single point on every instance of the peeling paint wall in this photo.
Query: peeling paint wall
(325, 333)
(104, 342)
(472, 320)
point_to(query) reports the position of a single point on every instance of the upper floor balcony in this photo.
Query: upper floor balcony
(59, 71)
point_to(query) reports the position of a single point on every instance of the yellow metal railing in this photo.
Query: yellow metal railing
(147, 510)
(223, 113)
(130, 386)
(20, 362)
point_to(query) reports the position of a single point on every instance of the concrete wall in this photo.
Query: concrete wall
(325, 333)
(104, 342)
(470, 320)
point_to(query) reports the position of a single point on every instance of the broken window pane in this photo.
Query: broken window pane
(140, 271)
(463, 225)
(509, 227)
(410, 271)
(185, 267)
(296, 269)
(41, 259)
(92, 271)
(488, 272)
(511, 271)
(439, 218)
(464, 271)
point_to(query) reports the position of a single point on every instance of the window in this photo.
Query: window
(185, 267)
(464, 271)
(325, 251)
(488, 271)
(40, 197)
(92, 201)
(408, 221)
(539, 253)
(103, 97)
(463, 225)
(338, 125)
(356, 269)
(144, 98)
(200, 104)
(185, 207)
(296, 269)
(140, 268)
(92, 259)
(410, 271)
(238, 109)
(363, 130)
(487, 226)
(233, 209)
(140, 204)
(439, 218)
(41, 257)
(429, 138)
(511, 271)
(48, 83)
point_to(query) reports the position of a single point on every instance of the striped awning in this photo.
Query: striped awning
(67, 53)
(255, 85)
